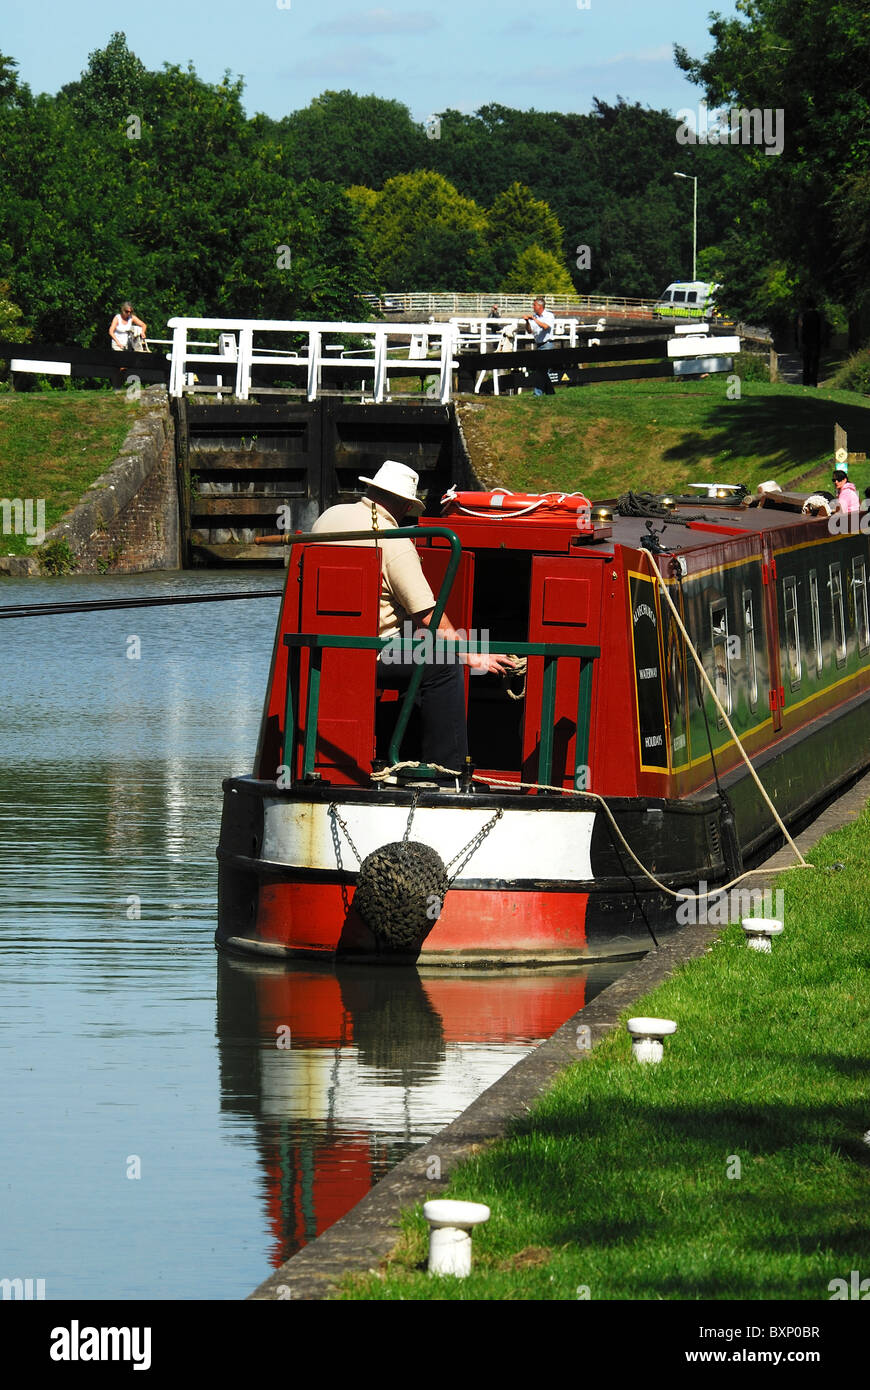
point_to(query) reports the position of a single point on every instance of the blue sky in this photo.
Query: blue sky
(453, 53)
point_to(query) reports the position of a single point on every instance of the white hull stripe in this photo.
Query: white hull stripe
(522, 845)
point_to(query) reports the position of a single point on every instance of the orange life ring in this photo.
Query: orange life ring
(502, 503)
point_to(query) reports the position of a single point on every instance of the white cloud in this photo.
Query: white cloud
(380, 21)
(566, 72)
(353, 60)
(663, 52)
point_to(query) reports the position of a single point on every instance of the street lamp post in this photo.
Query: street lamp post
(694, 178)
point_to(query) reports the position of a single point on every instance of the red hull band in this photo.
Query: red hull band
(472, 1007)
(318, 918)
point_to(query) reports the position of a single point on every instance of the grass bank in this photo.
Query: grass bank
(736, 1169)
(662, 435)
(54, 444)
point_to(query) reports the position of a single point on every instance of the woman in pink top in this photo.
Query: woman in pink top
(847, 493)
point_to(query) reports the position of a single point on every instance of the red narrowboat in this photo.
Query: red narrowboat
(614, 767)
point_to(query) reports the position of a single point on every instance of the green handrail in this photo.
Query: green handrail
(552, 652)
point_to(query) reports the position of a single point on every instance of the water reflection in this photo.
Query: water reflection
(343, 1072)
(110, 798)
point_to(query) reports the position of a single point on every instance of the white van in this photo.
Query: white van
(687, 299)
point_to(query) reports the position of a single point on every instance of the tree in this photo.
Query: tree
(348, 139)
(112, 85)
(189, 208)
(806, 59)
(10, 88)
(518, 220)
(421, 234)
(537, 271)
(11, 328)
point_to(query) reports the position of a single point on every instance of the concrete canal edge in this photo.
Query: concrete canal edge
(366, 1235)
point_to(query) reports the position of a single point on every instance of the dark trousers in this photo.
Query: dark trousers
(441, 701)
(543, 384)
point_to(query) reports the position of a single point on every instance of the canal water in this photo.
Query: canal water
(173, 1124)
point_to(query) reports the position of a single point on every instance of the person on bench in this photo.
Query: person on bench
(406, 606)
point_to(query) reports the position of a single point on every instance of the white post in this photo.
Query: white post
(450, 1227)
(313, 363)
(243, 365)
(446, 367)
(647, 1035)
(176, 368)
(380, 368)
(759, 931)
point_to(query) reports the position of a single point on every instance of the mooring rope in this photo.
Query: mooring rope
(488, 781)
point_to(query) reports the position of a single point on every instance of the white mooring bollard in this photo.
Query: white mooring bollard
(450, 1227)
(759, 931)
(646, 1037)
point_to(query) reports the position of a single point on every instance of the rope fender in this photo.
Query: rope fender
(400, 891)
(401, 886)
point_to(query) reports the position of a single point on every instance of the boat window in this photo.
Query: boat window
(679, 296)
(816, 616)
(721, 664)
(859, 589)
(835, 583)
(792, 631)
(749, 640)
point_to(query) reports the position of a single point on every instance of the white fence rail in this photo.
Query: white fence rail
(421, 304)
(427, 348)
(431, 349)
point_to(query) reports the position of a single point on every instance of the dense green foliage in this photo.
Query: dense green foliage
(800, 229)
(157, 186)
(553, 180)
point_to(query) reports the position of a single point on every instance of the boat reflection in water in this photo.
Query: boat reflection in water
(345, 1071)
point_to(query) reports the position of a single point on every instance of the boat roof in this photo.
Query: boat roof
(692, 523)
(695, 522)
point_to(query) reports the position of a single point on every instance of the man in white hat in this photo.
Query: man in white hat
(407, 601)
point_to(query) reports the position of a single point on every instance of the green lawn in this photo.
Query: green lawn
(660, 435)
(736, 1169)
(54, 444)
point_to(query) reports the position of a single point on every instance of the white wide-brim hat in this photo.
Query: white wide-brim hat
(401, 481)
